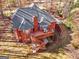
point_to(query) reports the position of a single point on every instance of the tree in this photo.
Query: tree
(1, 11)
(67, 7)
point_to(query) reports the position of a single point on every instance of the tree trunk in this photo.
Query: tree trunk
(1, 11)
(67, 6)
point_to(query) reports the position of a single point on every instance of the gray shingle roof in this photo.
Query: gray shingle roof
(23, 17)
